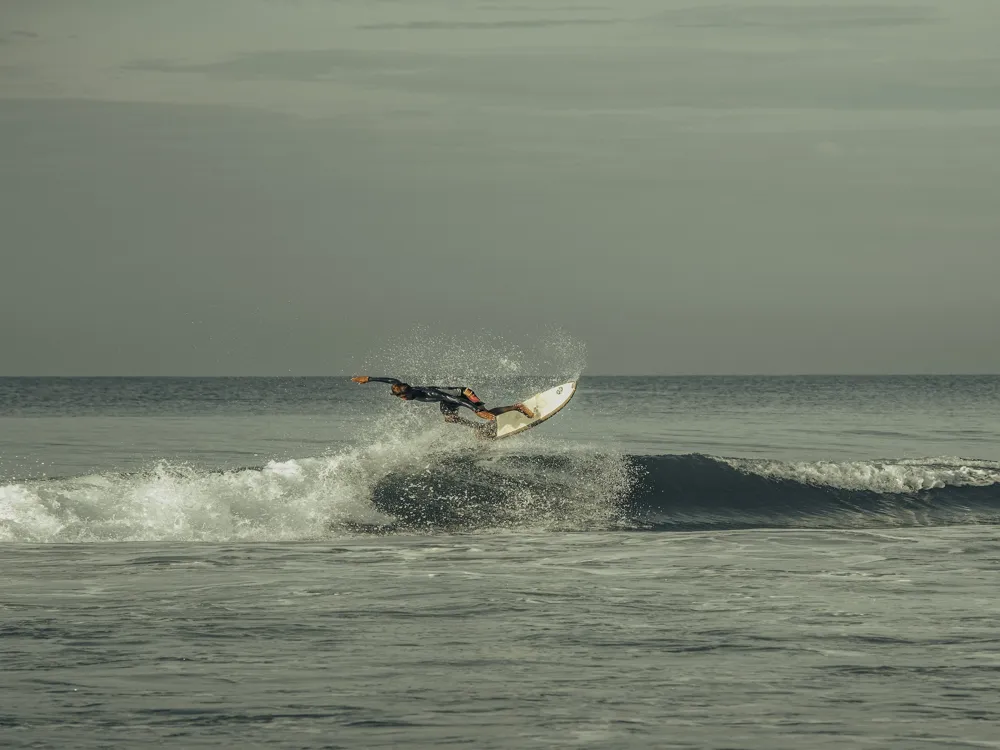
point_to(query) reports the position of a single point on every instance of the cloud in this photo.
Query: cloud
(290, 65)
(17, 34)
(512, 24)
(796, 17)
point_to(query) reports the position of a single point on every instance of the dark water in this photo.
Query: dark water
(683, 562)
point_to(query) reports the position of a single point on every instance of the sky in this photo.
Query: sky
(280, 187)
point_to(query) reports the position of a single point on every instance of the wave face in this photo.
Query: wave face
(437, 485)
(695, 492)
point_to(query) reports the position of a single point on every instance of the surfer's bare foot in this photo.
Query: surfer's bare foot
(525, 411)
(485, 414)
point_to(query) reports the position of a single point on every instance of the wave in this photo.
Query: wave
(428, 485)
(696, 492)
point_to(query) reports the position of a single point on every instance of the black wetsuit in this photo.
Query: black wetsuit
(449, 397)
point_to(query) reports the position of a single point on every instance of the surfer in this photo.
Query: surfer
(450, 399)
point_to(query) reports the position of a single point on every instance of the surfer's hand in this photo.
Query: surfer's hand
(483, 414)
(360, 379)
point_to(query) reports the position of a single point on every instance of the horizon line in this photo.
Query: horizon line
(532, 375)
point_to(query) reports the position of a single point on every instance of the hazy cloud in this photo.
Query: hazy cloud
(799, 17)
(641, 80)
(17, 35)
(291, 65)
(270, 188)
(472, 25)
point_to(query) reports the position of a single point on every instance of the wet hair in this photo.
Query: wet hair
(399, 389)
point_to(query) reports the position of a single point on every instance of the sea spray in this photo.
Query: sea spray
(498, 368)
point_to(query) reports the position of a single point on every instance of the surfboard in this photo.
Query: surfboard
(544, 404)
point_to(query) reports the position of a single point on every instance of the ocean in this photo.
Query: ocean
(684, 562)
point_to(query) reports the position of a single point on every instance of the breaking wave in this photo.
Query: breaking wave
(437, 482)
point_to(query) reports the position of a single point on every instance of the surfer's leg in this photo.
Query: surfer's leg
(497, 411)
(450, 413)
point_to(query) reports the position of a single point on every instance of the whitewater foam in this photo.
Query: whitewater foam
(537, 483)
(886, 476)
(408, 471)
(282, 501)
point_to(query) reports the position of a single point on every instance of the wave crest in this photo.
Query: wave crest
(434, 482)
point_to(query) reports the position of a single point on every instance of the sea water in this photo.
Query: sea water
(740, 562)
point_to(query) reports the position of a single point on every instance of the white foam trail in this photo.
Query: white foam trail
(304, 498)
(296, 499)
(290, 500)
(901, 476)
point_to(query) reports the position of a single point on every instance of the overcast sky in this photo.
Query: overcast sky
(280, 186)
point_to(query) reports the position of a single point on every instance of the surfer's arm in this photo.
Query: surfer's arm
(369, 379)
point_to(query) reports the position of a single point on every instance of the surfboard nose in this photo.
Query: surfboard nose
(541, 406)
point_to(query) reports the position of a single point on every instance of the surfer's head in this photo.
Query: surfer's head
(400, 389)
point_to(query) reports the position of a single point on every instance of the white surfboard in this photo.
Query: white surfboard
(544, 404)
